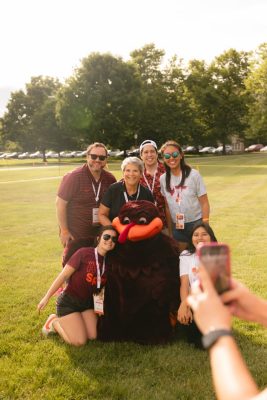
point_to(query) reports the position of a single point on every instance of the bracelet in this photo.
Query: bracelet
(205, 219)
(211, 337)
(64, 230)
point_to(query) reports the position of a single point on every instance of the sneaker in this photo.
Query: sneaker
(48, 326)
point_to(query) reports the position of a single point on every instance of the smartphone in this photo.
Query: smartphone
(215, 258)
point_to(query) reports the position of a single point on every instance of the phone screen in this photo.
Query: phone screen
(215, 257)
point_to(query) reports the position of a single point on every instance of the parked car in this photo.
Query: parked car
(37, 154)
(12, 155)
(133, 153)
(254, 147)
(24, 155)
(81, 153)
(228, 149)
(191, 150)
(263, 149)
(122, 154)
(207, 150)
(66, 154)
(113, 153)
(51, 154)
(3, 155)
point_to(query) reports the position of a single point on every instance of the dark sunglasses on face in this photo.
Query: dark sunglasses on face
(95, 157)
(175, 154)
(106, 236)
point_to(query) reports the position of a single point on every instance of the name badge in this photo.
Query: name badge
(95, 215)
(99, 302)
(179, 221)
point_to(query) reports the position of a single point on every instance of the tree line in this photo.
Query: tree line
(121, 103)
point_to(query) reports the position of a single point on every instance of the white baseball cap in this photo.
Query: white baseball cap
(146, 142)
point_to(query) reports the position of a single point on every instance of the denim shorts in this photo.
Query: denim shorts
(67, 304)
(183, 235)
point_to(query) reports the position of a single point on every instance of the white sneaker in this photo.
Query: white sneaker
(48, 326)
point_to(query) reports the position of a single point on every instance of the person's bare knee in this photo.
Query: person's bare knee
(78, 342)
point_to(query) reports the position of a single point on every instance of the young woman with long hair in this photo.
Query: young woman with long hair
(185, 194)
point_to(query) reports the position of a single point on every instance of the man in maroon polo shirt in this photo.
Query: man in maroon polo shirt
(79, 196)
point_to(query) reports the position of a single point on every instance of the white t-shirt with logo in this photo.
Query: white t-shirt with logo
(189, 264)
(184, 199)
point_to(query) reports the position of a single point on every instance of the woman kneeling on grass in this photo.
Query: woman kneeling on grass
(200, 234)
(79, 303)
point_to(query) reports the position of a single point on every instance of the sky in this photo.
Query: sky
(51, 37)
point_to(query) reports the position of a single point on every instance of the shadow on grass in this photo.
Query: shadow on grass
(176, 370)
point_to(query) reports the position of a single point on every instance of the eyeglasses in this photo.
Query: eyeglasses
(95, 157)
(106, 236)
(175, 154)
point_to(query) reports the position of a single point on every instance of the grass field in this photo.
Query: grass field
(35, 368)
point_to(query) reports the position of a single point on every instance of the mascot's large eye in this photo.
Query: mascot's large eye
(142, 221)
(126, 220)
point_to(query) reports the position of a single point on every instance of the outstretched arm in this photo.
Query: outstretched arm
(245, 304)
(58, 282)
(231, 377)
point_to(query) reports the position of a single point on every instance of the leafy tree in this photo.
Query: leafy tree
(228, 96)
(199, 91)
(101, 101)
(163, 107)
(256, 84)
(30, 118)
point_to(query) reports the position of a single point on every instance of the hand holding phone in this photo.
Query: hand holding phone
(215, 258)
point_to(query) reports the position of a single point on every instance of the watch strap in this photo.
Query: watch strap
(211, 337)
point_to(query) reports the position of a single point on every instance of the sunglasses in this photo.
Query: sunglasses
(175, 154)
(95, 157)
(106, 236)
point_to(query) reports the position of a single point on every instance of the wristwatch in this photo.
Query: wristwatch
(211, 337)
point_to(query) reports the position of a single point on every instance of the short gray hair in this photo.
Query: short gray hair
(132, 160)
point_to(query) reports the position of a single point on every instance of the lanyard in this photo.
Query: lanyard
(178, 196)
(99, 276)
(126, 197)
(98, 190)
(153, 182)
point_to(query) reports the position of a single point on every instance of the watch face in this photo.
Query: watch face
(210, 338)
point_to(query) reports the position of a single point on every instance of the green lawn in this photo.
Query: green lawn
(35, 368)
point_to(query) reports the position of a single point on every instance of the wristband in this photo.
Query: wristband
(205, 219)
(211, 337)
(64, 230)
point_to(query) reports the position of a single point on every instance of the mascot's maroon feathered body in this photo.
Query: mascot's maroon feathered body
(142, 289)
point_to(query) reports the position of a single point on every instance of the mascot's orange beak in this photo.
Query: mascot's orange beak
(135, 232)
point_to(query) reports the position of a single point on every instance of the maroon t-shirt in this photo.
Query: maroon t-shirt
(77, 189)
(156, 190)
(83, 282)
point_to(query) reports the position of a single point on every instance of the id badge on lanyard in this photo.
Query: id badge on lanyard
(179, 215)
(99, 302)
(179, 221)
(99, 297)
(95, 218)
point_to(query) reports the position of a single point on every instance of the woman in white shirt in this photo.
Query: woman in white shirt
(201, 233)
(185, 194)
